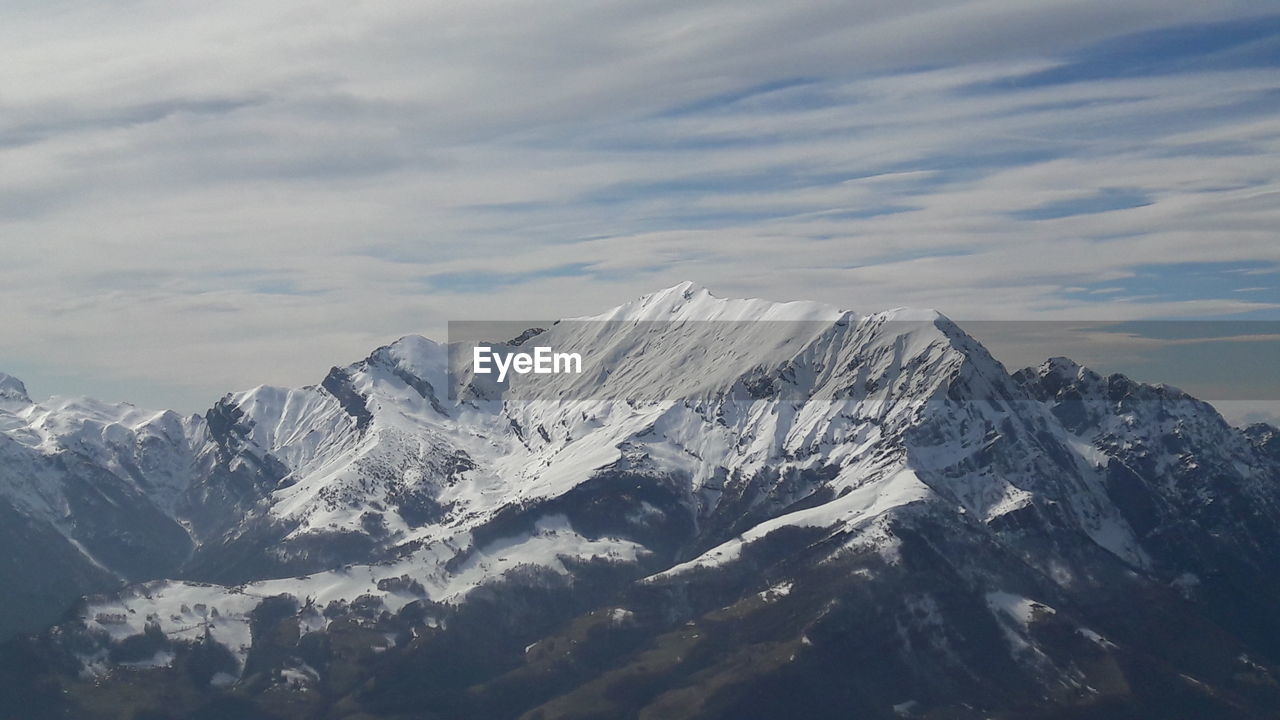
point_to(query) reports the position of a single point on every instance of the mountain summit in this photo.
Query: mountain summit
(12, 391)
(740, 509)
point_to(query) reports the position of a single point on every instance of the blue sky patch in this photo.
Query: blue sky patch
(1105, 200)
(1255, 282)
(1232, 45)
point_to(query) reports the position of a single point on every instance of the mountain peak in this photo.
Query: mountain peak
(415, 349)
(688, 287)
(910, 314)
(12, 390)
(688, 301)
(1061, 366)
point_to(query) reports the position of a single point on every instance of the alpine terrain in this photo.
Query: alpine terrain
(739, 509)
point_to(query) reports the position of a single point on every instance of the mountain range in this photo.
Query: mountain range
(743, 509)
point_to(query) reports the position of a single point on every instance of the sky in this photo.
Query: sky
(203, 197)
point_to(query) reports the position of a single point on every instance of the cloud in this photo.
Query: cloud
(200, 197)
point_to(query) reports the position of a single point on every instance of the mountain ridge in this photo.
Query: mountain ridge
(971, 509)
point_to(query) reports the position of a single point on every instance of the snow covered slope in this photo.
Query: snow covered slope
(88, 496)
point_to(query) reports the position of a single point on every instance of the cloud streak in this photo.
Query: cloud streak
(198, 197)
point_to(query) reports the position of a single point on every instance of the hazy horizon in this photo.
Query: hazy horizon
(1228, 363)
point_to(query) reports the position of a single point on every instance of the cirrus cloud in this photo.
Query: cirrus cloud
(196, 197)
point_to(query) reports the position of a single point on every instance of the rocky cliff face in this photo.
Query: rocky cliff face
(741, 509)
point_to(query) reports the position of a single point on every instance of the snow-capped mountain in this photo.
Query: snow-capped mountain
(740, 508)
(88, 493)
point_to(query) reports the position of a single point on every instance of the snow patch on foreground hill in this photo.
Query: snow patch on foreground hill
(186, 611)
